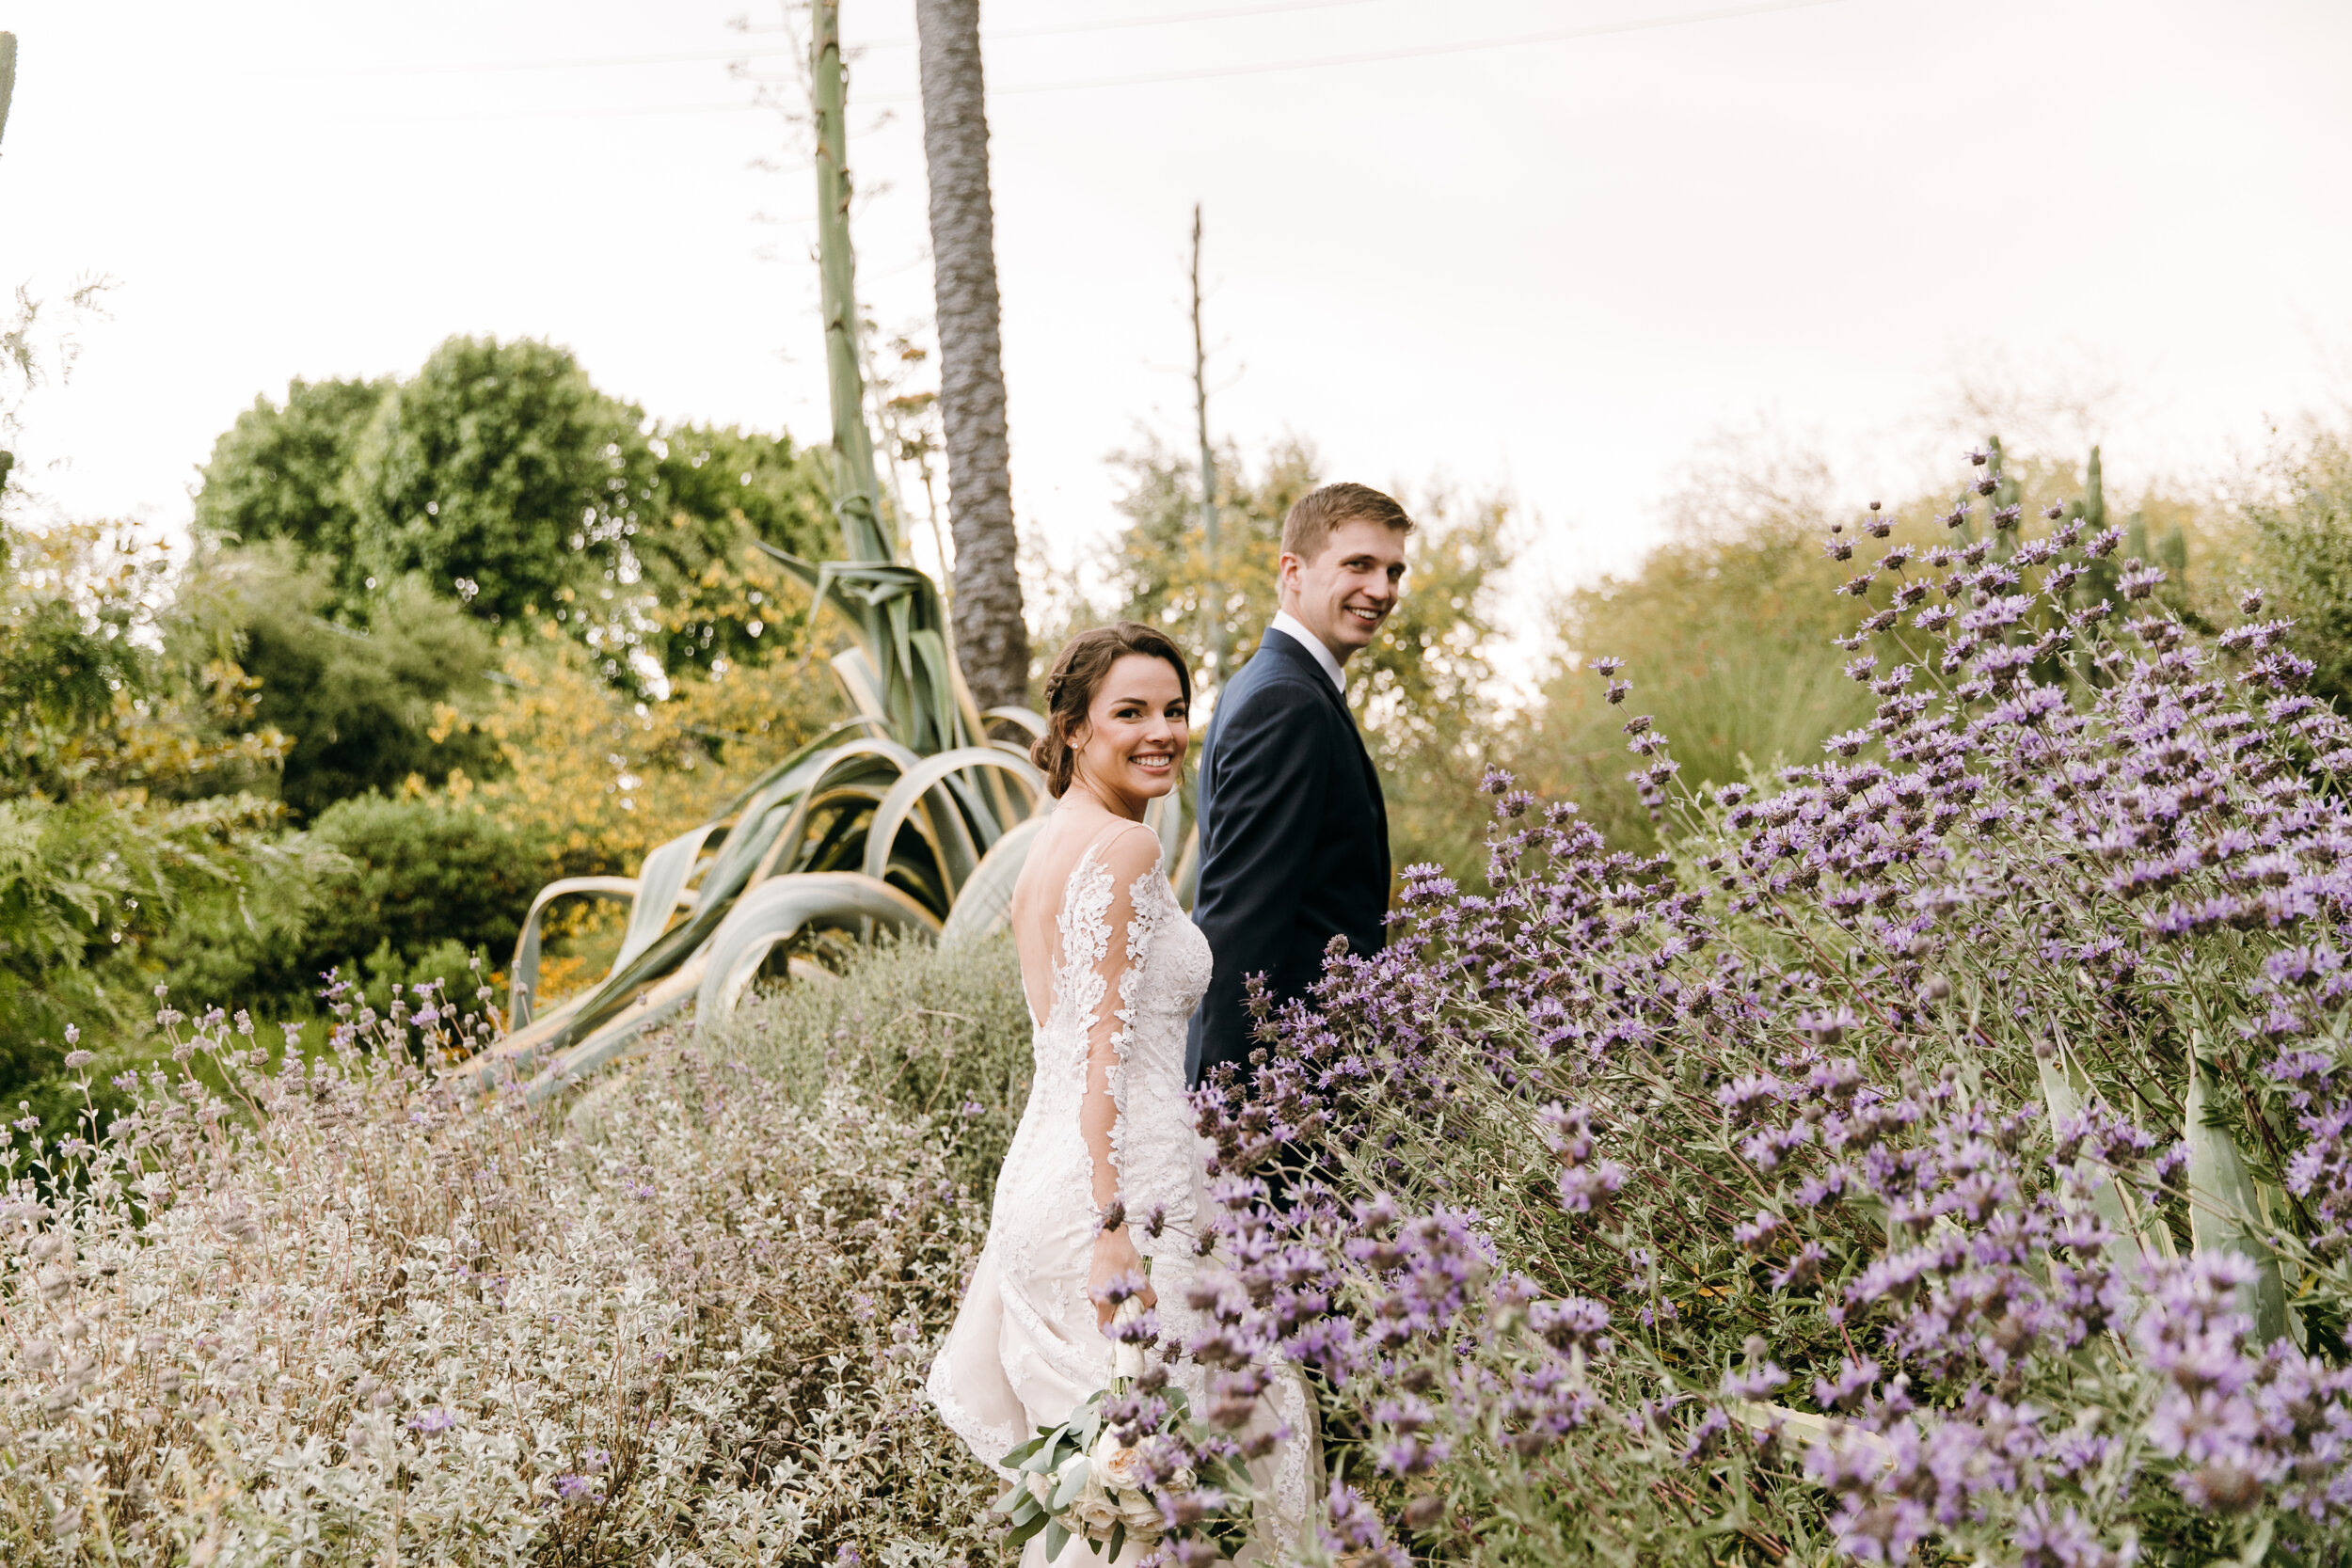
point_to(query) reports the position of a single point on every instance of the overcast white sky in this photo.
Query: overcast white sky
(1553, 266)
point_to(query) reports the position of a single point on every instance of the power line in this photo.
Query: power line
(706, 56)
(1724, 13)
(1559, 35)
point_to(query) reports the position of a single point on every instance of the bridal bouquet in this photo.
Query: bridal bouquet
(1080, 1480)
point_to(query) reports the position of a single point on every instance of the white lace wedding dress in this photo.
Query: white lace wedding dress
(1026, 1346)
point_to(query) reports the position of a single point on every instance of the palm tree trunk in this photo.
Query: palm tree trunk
(991, 640)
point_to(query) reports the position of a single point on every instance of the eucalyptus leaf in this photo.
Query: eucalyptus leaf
(1073, 1478)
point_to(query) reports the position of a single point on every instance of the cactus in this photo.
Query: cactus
(7, 88)
(857, 490)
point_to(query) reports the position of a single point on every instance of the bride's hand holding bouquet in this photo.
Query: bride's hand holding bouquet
(1094, 1477)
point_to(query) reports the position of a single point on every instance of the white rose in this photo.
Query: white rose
(1142, 1517)
(1117, 1466)
(1094, 1511)
(1041, 1486)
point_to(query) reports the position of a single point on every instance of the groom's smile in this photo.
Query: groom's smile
(1347, 592)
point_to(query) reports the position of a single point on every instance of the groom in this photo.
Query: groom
(1294, 835)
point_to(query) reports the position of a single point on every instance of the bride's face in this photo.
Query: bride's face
(1131, 746)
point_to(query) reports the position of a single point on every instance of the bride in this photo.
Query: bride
(1112, 969)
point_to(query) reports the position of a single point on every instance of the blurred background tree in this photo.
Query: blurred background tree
(359, 706)
(1727, 624)
(283, 471)
(2299, 517)
(501, 477)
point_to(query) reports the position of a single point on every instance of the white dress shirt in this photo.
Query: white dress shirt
(1292, 628)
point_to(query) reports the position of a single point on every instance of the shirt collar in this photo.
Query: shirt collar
(1292, 628)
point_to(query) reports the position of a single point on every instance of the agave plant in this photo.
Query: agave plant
(907, 817)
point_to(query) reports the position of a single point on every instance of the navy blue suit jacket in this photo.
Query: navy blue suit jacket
(1294, 843)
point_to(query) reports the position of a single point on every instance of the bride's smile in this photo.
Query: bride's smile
(1130, 749)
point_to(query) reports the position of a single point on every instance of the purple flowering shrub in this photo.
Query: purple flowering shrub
(1937, 1153)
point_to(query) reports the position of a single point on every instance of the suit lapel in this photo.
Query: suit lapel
(1280, 644)
(1286, 647)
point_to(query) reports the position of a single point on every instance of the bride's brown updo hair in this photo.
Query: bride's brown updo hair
(1078, 669)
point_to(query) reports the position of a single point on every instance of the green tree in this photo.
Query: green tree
(416, 889)
(362, 708)
(502, 479)
(501, 475)
(2301, 526)
(1727, 640)
(284, 471)
(713, 597)
(122, 805)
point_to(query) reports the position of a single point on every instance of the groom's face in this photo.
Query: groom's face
(1347, 592)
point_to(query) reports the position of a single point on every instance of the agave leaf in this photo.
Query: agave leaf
(2224, 1210)
(626, 990)
(614, 1036)
(525, 1037)
(985, 904)
(658, 890)
(779, 908)
(524, 982)
(863, 682)
(808, 756)
(807, 571)
(2065, 1089)
(661, 884)
(948, 833)
(857, 771)
(1025, 718)
(839, 842)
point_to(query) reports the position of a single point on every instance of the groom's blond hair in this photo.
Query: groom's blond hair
(1314, 515)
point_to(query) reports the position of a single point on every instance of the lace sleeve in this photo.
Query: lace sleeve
(1119, 955)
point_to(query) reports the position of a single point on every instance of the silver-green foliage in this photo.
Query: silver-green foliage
(322, 1312)
(932, 1031)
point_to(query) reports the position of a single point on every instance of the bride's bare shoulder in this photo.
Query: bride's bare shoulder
(1126, 849)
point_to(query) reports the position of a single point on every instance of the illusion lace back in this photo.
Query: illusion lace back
(1027, 1345)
